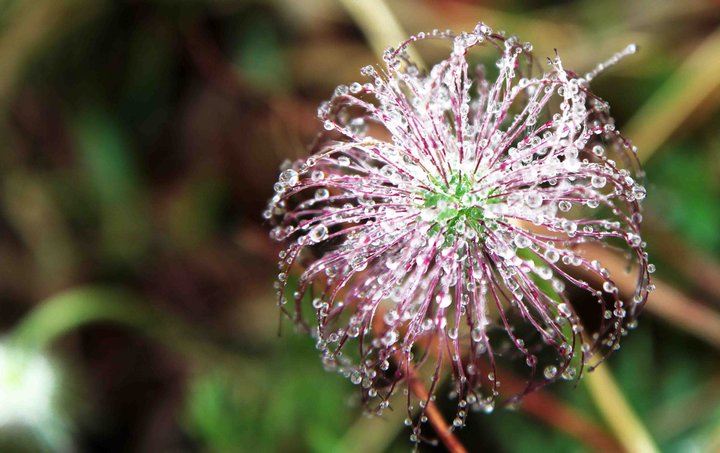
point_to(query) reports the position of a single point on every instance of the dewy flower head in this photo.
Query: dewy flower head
(444, 218)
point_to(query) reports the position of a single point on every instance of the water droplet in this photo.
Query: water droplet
(571, 164)
(570, 227)
(633, 239)
(322, 194)
(444, 301)
(533, 199)
(389, 172)
(552, 256)
(569, 373)
(564, 309)
(544, 273)
(318, 233)
(391, 336)
(598, 181)
(355, 377)
(522, 241)
(289, 177)
(550, 371)
(608, 287)
(638, 192)
(367, 71)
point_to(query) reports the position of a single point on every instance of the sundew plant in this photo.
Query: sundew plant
(443, 225)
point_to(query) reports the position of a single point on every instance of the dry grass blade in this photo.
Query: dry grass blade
(548, 409)
(33, 25)
(464, 16)
(670, 106)
(665, 302)
(378, 24)
(695, 265)
(618, 413)
(676, 308)
(546, 34)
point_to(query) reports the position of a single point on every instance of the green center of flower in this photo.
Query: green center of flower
(455, 208)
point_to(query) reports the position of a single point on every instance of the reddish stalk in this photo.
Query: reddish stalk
(435, 417)
(539, 404)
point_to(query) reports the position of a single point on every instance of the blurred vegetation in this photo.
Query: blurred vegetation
(140, 143)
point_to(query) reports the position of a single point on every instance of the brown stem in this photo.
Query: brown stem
(435, 417)
(539, 404)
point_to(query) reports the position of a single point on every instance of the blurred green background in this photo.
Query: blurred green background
(140, 142)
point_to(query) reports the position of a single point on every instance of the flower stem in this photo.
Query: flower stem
(436, 419)
(616, 411)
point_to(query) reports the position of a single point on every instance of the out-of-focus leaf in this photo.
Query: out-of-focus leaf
(146, 100)
(193, 212)
(681, 186)
(258, 55)
(288, 403)
(517, 433)
(107, 161)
